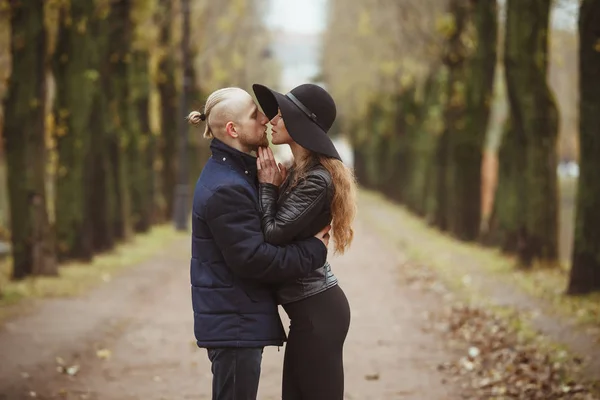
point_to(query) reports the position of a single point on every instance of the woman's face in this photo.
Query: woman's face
(279, 132)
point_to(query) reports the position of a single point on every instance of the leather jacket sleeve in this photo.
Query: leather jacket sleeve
(282, 221)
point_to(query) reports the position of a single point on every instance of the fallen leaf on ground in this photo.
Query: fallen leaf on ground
(103, 354)
(372, 377)
(72, 370)
(501, 363)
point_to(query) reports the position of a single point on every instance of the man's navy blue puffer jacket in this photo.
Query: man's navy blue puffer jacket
(232, 266)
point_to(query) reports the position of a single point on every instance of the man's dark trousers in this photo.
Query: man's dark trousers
(236, 372)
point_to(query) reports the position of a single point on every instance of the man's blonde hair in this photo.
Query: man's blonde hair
(216, 113)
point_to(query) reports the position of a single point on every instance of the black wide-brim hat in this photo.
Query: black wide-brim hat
(308, 112)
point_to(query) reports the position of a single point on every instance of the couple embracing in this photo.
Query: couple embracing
(260, 238)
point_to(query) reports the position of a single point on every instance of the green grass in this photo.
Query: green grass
(76, 277)
(436, 249)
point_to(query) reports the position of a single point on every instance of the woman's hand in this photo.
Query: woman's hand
(268, 172)
(323, 235)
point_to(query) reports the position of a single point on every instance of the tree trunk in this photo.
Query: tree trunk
(373, 146)
(120, 38)
(198, 147)
(101, 192)
(182, 202)
(140, 159)
(169, 111)
(508, 220)
(585, 271)
(387, 145)
(535, 117)
(401, 144)
(468, 139)
(24, 130)
(360, 170)
(76, 83)
(455, 59)
(432, 131)
(443, 175)
(98, 175)
(424, 132)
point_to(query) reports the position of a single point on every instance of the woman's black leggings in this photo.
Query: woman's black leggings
(313, 366)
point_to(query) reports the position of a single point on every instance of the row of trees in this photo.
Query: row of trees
(419, 109)
(95, 138)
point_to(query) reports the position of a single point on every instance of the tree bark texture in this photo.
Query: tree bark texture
(24, 130)
(508, 220)
(169, 110)
(534, 116)
(480, 35)
(585, 270)
(120, 39)
(455, 57)
(424, 135)
(76, 79)
(140, 160)
(99, 176)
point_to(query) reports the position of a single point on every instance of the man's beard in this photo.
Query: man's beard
(254, 143)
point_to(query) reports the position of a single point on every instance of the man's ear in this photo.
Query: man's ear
(231, 129)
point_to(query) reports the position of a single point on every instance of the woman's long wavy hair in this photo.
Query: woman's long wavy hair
(343, 205)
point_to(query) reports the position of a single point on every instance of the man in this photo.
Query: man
(235, 314)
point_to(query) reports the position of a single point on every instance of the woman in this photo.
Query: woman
(318, 190)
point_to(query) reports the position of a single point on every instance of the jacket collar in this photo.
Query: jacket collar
(245, 163)
(313, 162)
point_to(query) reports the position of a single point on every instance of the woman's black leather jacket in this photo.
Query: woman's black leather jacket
(295, 213)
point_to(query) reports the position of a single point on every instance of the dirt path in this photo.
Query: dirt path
(144, 319)
(581, 341)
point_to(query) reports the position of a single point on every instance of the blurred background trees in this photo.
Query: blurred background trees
(468, 113)
(93, 113)
(479, 116)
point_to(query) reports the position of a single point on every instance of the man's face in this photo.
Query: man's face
(252, 127)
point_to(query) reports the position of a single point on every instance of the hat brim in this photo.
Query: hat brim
(302, 129)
